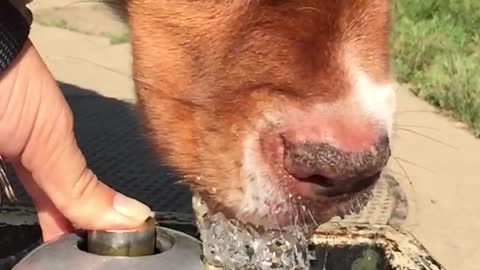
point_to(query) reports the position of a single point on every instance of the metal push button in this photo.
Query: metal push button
(131, 243)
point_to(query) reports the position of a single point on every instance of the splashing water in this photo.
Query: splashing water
(229, 244)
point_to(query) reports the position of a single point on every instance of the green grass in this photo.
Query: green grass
(118, 38)
(436, 49)
(57, 23)
(115, 38)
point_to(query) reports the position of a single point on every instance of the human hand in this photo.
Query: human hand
(36, 137)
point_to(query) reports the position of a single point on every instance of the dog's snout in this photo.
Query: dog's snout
(334, 170)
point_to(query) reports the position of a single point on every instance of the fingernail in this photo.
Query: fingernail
(131, 208)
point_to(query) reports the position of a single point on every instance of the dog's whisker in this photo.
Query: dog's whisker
(403, 169)
(313, 218)
(428, 137)
(415, 111)
(413, 164)
(414, 126)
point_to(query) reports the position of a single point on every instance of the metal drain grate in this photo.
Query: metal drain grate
(109, 134)
(387, 206)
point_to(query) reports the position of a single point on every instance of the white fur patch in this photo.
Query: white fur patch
(260, 193)
(378, 101)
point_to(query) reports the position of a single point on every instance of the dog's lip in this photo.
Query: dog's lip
(357, 185)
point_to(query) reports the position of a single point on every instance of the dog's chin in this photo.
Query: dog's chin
(346, 205)
(307, 213)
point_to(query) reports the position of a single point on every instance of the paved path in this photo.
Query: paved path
(440, 158)
(444, 197)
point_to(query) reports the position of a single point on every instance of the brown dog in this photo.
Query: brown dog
(267, 107)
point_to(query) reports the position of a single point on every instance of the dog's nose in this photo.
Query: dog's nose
(334, 170)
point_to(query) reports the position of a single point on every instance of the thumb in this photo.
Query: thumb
(51, 154)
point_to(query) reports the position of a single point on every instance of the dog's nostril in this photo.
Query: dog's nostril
(329, 167)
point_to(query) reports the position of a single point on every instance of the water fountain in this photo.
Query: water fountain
(230, 245)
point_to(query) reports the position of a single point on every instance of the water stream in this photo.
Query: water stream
(231, 245)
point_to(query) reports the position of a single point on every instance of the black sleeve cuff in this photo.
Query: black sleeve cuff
(14, 31)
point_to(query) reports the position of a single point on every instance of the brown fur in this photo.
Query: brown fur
(206, 71)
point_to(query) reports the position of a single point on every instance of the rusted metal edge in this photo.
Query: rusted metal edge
(402, 250)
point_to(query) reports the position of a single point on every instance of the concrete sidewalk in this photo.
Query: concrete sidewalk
(436, 160)
(444, 210)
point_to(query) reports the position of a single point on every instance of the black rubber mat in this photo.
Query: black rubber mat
(16, 241)
(109, 134)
